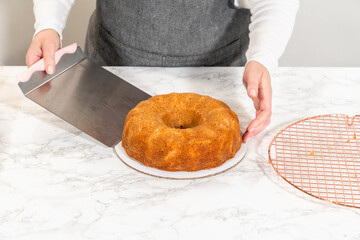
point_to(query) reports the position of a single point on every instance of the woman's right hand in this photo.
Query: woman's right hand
(44, 45)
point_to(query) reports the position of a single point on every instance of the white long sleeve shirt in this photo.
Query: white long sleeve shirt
(271, 25)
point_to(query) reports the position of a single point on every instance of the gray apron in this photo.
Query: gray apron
(168, 33)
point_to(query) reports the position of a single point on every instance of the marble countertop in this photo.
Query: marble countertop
(58, 183)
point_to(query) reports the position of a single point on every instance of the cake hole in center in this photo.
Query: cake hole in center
(181, 119)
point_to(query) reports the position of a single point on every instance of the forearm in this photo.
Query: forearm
(271, 26)
(51, 14)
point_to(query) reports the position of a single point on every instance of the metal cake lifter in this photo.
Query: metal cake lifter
(83, 93)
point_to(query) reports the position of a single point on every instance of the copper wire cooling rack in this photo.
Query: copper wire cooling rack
(321, 157)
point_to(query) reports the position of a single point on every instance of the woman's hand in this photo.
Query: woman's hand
(44, 45)
(257, 82)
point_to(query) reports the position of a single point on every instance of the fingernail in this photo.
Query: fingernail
(252, 129)
(50, 70)
(252, 92)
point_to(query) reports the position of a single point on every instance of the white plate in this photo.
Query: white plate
(121, 153)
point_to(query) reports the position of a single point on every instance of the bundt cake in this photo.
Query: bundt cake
(181, 132)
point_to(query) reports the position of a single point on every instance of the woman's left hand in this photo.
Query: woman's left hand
(257, 82)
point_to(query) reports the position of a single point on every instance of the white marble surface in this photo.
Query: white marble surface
(57, 183)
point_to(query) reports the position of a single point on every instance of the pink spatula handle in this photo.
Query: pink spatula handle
(40, 66)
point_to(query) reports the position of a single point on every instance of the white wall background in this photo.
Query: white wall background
(327, 32)
(17, 28)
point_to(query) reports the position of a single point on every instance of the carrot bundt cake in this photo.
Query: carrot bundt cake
(181, 132)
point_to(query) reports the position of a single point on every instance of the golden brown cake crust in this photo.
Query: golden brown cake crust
(181, 132)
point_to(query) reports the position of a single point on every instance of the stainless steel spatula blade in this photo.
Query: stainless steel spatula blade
(87, 96)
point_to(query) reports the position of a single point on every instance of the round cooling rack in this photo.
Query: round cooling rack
(132, 163)
(321, 157)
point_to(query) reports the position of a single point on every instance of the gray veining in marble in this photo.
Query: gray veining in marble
(58, 183)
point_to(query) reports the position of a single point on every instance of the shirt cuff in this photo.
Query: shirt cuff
(44, 26)
(270, 64)
(49, 26)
